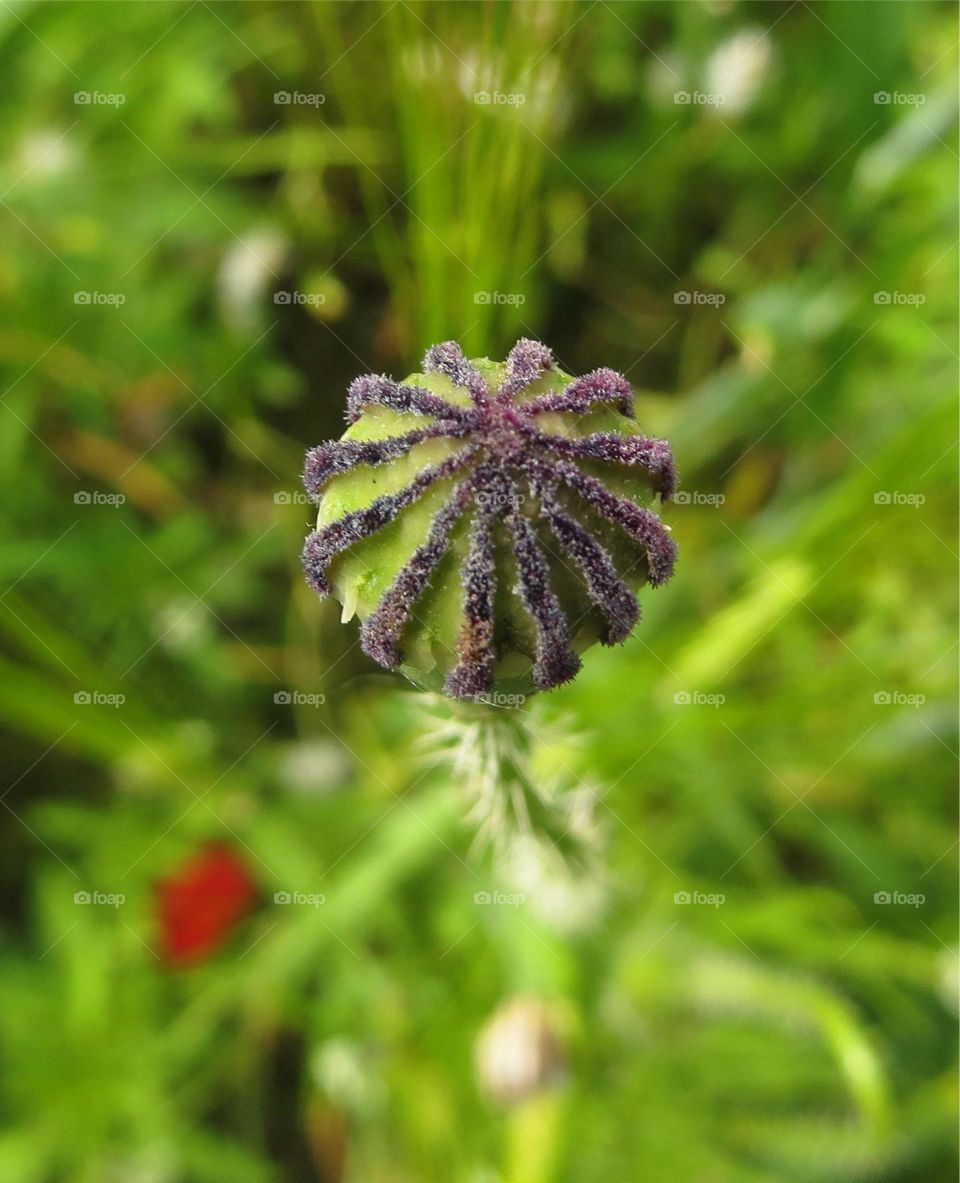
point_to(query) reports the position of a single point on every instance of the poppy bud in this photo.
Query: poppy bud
(489, 521)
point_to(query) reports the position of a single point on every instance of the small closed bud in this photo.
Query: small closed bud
(520, 1052)
(488, 521)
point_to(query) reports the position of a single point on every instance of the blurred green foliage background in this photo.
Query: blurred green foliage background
(750, 209)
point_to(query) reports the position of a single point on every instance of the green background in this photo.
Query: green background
(797, 1027)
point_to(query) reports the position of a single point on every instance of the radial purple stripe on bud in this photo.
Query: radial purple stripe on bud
(379, 390)
(526, 363)
(594, 389)
(605, 587)
(326, 460)
(447, 358)
(324, 544)
(655, 456)
(556, 661)
(642, 524)
(382, 630)
(473, 675)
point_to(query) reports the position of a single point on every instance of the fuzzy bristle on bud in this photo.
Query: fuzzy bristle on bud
(525, 481)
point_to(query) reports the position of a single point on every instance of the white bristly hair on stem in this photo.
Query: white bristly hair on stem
(540, 825)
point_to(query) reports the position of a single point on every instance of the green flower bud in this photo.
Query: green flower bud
(470, 515)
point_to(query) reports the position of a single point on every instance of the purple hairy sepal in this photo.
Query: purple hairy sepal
(488, 522)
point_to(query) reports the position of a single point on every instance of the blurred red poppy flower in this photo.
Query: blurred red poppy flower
(200, 903)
